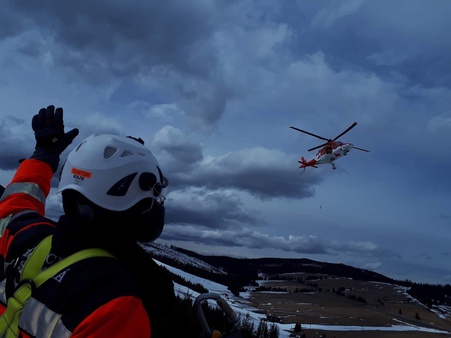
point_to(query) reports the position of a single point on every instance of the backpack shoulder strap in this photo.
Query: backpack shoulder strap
(64, 263)
(36, 259)
(32, 277)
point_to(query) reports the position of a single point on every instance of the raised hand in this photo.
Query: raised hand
(51, 140)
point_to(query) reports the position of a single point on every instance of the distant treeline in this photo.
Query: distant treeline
(242, 272)
(429, 294)
(234, 282)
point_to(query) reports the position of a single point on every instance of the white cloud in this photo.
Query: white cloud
(372, 266)
(334, 11)
(440, 123)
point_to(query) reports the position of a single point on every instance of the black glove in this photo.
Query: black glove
(50, 138)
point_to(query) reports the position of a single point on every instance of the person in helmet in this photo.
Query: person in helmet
(113, 193)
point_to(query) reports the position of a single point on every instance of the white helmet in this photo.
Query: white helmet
(113, 172)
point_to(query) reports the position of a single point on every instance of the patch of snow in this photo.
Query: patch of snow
(165, 251)
(241, 307)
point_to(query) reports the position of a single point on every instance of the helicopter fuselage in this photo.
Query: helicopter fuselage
(332, 152)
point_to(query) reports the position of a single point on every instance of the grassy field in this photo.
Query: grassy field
(359, 304)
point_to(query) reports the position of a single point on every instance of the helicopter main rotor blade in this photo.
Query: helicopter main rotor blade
(352, 126)
(361, 149)
(303, 131)
(322, 145)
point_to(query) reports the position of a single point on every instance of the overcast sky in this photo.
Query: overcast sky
(213, 86)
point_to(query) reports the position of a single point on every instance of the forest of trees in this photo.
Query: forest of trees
(430, 294)
(184, 322)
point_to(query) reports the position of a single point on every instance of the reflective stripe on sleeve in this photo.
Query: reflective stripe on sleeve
(40, 321)
(4, 223)
(31, 189)
(2, 291)
(8, 219)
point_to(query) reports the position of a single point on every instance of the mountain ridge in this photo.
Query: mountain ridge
(287, 265)
(237, 273)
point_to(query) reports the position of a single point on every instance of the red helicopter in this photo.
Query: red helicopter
(330, 151)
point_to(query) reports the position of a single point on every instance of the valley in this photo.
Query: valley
(327, 300)
(355, 307)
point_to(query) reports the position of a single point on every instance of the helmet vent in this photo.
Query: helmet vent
(120, 188)
(109, 152)
(126, 153)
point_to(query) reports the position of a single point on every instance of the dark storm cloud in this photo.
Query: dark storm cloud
(264, 173)
(201, 190)
(230, 77)
(389, 37)
(17, 138)
(8, 161)
(126, 37)
(249, 238)
(98, 42)
(245, 238)
(210, 209)
(179, 151)
(404, 38)
(16, 142)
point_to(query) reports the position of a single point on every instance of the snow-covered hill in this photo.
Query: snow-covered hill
(240, 304)
(163, 251)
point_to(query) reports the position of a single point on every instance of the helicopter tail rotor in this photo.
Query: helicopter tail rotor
(304, 163)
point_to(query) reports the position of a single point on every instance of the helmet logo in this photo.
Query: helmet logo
(79, 175)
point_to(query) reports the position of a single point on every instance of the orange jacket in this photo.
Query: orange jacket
(90, 301)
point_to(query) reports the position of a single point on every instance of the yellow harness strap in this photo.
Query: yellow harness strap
(32, 277)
